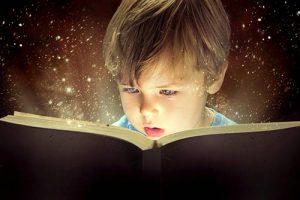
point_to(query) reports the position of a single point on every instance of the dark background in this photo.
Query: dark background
(51, 60)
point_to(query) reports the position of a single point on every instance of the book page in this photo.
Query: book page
(80, 126)
(239, 128)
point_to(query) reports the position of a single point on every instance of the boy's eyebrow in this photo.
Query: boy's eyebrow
(172, 84)
(124, 84)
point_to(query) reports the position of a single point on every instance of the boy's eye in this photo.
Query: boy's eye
(168, 92)
(130, 90)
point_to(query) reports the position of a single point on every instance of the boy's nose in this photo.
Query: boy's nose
(148, 107)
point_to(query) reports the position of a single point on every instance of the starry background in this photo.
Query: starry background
(51, 60)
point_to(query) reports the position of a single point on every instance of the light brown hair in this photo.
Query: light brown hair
(195, 32)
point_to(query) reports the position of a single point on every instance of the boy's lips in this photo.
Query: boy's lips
(154, 132)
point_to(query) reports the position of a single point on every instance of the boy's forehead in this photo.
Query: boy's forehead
(166, 69)
(162, 78)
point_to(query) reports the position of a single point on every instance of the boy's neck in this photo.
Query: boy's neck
(208, 117)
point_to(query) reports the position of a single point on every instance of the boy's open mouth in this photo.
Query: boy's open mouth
(154, 132)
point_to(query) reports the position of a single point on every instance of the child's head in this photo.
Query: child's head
(167, 55)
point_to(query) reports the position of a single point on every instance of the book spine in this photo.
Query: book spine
(152, 170)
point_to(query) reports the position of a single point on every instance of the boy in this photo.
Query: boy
(167, 56)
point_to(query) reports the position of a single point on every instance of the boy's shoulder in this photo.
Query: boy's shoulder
(220, 119)
(124, 123)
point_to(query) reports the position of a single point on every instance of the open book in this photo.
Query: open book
(137, 139)
(43, 156)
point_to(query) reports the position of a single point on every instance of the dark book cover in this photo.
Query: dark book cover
(261, 165)
(38, 163)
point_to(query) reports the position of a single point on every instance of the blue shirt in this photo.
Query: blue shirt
(219, 120)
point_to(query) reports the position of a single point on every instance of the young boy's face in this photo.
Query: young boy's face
(160, 103)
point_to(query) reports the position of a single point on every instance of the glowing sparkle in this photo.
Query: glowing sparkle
(243, 25)
(69, 90)
(89, 79)
(57, 37)
(67, 60)
(298, 13)
(63, 80)
(259, 19)
(50, 102)
(54, 69)
(269, 37)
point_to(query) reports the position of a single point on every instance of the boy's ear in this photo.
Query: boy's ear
(218, 81)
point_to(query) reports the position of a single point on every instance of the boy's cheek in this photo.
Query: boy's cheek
(129, 104)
